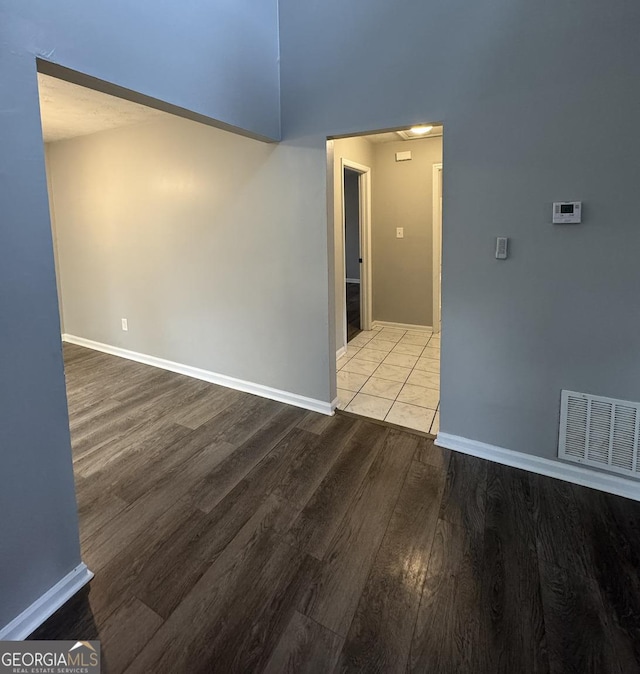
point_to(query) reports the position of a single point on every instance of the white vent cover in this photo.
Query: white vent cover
(600, 432)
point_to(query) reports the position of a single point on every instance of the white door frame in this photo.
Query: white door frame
(437, 244)
(364, 190)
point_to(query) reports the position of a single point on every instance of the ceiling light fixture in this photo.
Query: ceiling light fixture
(420, 130)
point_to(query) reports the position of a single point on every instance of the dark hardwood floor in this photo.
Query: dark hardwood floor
(353, 310)
(230, 533)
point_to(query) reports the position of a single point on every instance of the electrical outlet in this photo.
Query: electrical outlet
(125, 325)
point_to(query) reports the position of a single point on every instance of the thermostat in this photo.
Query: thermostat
(567, 212)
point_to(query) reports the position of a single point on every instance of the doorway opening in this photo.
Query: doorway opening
(387, 253)
(353, 260)
(356, 225)
(135, 227)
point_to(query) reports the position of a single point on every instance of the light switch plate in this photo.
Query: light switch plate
(502, 248)
(399, 232)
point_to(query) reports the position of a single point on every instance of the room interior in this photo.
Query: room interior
(529, 498)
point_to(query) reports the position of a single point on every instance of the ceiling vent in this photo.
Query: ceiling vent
(600, 432)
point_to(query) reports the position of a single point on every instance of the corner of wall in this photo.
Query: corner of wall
(278, 46)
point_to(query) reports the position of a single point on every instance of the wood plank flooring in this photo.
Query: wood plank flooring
(229, 533)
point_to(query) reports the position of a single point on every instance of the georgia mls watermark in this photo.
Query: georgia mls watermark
(50, 657)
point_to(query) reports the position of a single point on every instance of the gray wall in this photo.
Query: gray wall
(218, 61)
(176, 226)
(352, 224)
(54, 233)
(38, 515)
(402, 197)
(522, 93)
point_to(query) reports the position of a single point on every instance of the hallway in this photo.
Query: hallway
(392, 375)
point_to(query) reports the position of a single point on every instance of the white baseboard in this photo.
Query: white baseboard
(613, 484)
(44, 607)
(205, 375)
(402, 326)
(342, 351)
(353, 280)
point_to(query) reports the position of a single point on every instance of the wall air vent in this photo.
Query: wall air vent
(598, 431)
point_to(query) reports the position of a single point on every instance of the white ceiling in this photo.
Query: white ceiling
(68, 110)
(394, 136)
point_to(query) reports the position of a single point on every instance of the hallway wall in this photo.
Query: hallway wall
(402, 197)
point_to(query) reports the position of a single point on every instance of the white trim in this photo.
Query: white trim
(401, 326)
(364, 191)
(205, 375)
(46, 605)
(437, 243)
(353, 280)
(612, 484)
(342, 351)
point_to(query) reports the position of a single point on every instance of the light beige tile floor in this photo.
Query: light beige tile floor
(392, 375)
